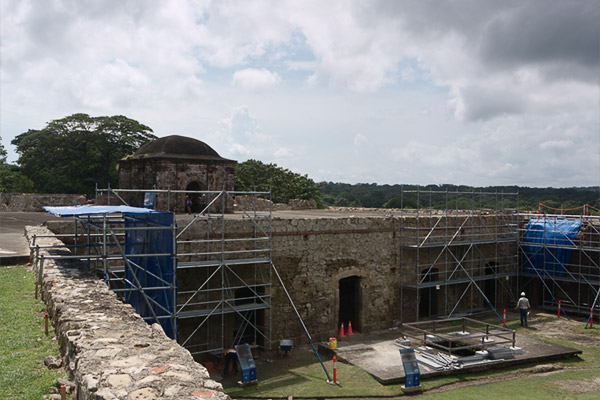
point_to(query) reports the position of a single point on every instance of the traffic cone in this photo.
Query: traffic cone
(349, 333)
(342, 330)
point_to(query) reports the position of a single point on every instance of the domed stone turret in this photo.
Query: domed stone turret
(176, 146)
(176, 163)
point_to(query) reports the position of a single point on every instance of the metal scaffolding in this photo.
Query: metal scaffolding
(219, 279)
(119, 244)
(561, 267)
(227, 298)
(462, 247)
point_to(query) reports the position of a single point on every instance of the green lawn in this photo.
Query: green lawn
(302, 376)
(23, 344)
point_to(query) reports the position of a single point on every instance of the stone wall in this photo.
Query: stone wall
(108, 349)
(313, 255)
(33, 202)
(248, 203)
(175, 174)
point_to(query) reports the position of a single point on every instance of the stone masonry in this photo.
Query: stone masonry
(109, 350)
(36, 201)
(314, 254)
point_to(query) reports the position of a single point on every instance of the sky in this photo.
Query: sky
(472, 92)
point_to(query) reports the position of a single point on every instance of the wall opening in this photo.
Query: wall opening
(428, 301)
(197, 203)
(350, 302)
(489, 289)
(250, 323)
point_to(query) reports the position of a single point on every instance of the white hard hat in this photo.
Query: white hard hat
(523, 294)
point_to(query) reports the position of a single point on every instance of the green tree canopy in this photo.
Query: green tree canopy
(253, 175)
(73, 154)
(2, 153)
(11, 180)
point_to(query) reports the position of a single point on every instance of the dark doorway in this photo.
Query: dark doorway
(489, 289)
(247, 329)
(350, 302)
(197, 203)
(428, 302)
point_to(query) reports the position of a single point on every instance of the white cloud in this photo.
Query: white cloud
(556, 144)
(360, 140)
(255, 79)
(242, 137)
(440, 92)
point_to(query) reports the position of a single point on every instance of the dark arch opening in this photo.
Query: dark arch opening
(350, 302)
(247, 329)
(489, 289)
(428, 301)
(197, 203)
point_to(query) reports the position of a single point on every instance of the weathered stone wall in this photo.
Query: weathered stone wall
(109, 350)
(312, 255)
(33, 202)
(301, 204)
(248, 203)
(176, 175)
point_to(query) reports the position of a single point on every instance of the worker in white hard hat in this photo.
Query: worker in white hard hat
(523, 306)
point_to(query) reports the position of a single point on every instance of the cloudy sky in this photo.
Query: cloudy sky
(467, 92)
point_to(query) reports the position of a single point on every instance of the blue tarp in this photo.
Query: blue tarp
(70, 211)
(153, 272)
(539, 241)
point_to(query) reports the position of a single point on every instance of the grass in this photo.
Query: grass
(23, 344)
(302, 376)
(305, 376)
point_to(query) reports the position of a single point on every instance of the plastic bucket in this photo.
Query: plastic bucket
(332, 343)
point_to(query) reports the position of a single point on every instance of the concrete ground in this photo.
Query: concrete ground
(13, 245)
(378, 354)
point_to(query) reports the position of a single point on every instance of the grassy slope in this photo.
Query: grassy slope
(23, 345)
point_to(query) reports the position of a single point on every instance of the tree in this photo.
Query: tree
(253, 175)
(11, 180)
(2, 154)
(73, 154)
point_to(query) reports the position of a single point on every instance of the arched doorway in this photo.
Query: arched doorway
(489, 289)
(248, 325)
(428, 301)
(197, 205)
(350, 302)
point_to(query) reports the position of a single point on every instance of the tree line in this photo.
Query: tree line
(75, 153)
(459, 197)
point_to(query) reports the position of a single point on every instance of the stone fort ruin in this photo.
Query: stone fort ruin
(376, 269)
(178, 165)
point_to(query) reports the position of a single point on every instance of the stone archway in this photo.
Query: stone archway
(489, 288)
(428, 299)
(245, 325)
(350, 302)
(197, 204)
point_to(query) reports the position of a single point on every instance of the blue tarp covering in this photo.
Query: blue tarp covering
(156, 271)
(542, 232)
(70, 211)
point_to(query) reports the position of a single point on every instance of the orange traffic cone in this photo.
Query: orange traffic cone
(342, 330)
(349, 333)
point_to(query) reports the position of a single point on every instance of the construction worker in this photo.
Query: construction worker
(523, 306)
(230, 357)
